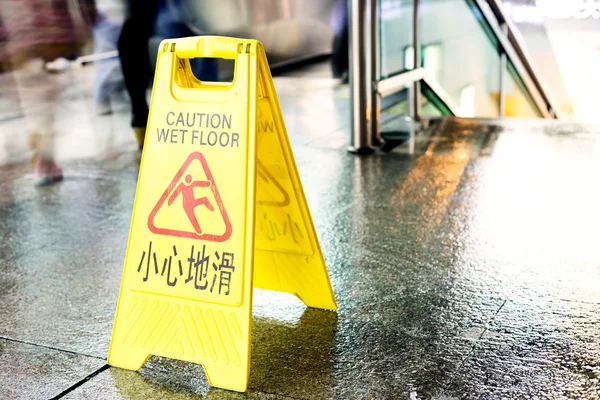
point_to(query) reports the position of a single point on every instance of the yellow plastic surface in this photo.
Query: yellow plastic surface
(219, 208)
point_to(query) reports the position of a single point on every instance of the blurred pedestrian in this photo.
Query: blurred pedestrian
(157, 19)
(109, 78)
(135, 60)
(340, 57)
(41, 36)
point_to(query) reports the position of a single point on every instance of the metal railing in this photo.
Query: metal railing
(511, 33)
(367, 87)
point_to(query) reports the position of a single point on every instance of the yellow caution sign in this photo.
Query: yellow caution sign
(219, 209)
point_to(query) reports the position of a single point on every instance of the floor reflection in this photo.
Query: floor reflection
(294, 360)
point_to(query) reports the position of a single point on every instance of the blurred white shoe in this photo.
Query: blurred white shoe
(58, 65)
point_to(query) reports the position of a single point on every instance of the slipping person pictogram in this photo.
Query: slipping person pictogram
(215, 227)
(190, 202)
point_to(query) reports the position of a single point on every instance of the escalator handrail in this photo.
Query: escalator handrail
(517, 43)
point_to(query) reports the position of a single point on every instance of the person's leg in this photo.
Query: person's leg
(135, 61)
(339, 59)
(169, 25)
(108, 72)
(38, 92)
(205, 69)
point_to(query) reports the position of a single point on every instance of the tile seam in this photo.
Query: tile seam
(81, 382)
(50, 348)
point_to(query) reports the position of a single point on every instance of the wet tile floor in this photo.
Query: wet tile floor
(468, 270)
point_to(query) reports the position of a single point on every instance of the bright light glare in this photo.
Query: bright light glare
(562, 9)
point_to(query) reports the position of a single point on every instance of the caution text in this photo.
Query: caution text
(199, 129)
(203, 274)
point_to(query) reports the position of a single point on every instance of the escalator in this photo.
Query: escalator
(471, 63)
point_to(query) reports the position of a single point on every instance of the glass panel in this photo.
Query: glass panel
(467, 101)
(432, 60)
(460, 52)
(517, 101)
(430, 108)
(396, 36)
(431, 104)
(392, 119)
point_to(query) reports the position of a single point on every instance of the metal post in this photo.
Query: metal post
(360, 138)
(414, 91)
(416, 95)
(503, 72)
(374, 73)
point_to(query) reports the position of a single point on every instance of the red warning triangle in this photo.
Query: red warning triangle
(182, 195)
